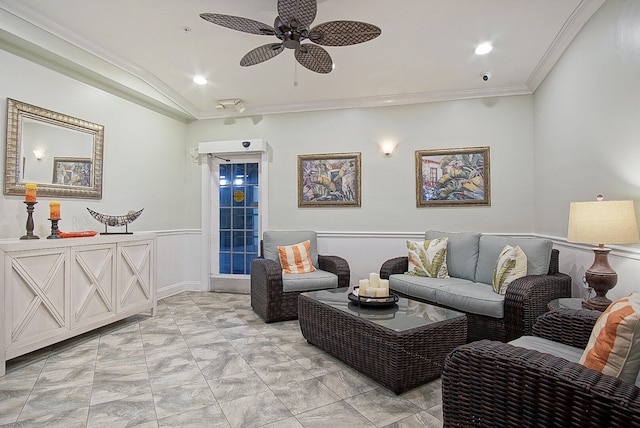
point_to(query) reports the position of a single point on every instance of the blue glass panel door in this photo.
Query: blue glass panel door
(238, 217)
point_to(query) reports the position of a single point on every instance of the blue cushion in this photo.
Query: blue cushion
(474, 298)
(316, 280)
(422, 287)
(462, 252)
(569, 353)
(271, 239)
(538, 253)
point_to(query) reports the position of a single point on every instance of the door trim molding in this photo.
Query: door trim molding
(234, 151)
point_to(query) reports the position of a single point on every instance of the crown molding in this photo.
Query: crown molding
(38, 38)
(582, 13)
(377, 101)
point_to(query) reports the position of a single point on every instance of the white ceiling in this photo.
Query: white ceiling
(425, 52)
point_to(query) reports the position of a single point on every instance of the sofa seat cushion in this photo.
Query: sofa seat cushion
(474, 298)
(569, 353)
(462, 252)
(538, 253)
(421, 287)
(316, 280)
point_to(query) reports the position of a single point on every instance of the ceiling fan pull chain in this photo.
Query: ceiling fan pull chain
(295, 73)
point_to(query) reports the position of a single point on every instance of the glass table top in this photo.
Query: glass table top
(403, 315)
(566, 303)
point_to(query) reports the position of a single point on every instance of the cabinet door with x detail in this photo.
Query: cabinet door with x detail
(37, 303)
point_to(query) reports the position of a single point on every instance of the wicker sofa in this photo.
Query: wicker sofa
(471, 258)
(491, 384)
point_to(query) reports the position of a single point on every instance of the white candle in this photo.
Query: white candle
(374, 279)
(363, 283)
(384, 283)
(381, 292)
(371, 292)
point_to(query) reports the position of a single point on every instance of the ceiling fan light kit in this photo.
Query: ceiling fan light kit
(292, 28)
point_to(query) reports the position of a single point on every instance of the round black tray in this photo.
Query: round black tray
(374, 301)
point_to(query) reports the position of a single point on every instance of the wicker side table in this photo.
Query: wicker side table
(397, 359)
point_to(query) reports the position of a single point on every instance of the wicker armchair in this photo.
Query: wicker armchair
(268, 297)
(526, 299)
(493, 384)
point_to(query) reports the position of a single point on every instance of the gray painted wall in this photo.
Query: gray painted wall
(587, 123)
(144, 155)
(388, 184)
(576, 137)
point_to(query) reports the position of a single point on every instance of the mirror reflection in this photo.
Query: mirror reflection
(55, 155)
(60, 153)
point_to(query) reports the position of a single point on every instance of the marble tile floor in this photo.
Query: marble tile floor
(205, 360)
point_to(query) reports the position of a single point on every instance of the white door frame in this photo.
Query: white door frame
(235, 151)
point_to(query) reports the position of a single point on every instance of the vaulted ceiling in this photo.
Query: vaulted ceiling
(150, 50)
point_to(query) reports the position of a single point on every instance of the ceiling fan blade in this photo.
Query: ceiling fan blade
(343, 33)
(261, 54)
(314, 58)
(302, 11)
(238, 23)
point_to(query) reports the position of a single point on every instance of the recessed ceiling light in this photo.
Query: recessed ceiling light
(484, 48)
(199, 80)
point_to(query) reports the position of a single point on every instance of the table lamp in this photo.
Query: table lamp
(602, 222)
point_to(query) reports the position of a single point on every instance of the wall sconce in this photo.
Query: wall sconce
(388, 148)
(38, 153)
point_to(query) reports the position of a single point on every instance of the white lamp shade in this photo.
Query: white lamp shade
(603, 222)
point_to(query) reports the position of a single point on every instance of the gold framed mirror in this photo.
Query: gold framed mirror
(59, 153)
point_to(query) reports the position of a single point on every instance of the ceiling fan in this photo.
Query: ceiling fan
(292, 27)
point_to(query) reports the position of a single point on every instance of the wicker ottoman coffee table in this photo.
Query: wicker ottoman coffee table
(400, 347)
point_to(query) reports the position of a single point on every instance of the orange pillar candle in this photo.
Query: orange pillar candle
(30, 192)
(54, 209)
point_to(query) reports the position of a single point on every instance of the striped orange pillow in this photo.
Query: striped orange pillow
(296, 258)
(614, 345)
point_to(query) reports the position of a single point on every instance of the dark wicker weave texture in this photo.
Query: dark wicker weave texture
(493, 384)
(526, 299)
(398, 360)
(270, 302)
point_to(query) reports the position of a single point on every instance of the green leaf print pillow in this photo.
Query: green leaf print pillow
(428, 258)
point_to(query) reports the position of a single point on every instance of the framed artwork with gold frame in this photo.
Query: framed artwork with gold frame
(452, 177)
(329, 180)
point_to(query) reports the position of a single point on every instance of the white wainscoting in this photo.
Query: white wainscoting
(178, 267)
(179, 258)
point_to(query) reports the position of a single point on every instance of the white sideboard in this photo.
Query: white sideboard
(55, 289)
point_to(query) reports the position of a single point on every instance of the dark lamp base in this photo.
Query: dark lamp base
(602, 278)
(596, 304)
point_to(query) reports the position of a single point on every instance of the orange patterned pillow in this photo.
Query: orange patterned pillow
(614, 345)
(296, 258)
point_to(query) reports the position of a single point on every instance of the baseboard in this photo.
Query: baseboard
(174, 289)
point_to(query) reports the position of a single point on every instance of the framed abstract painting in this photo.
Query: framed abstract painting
(452, 177)
(72, 171)
(331, 180)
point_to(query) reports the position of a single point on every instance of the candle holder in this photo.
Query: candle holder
(372, 301)
(30, 208)
(54, 229)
